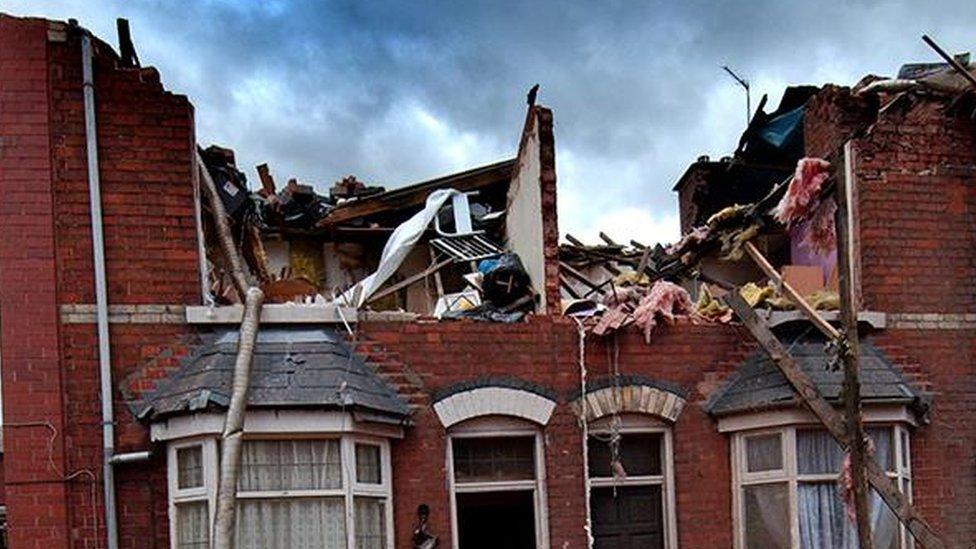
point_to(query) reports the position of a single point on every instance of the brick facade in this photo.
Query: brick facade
(32, 374)
(915, 168)
(146, 138)
(915, 174)
(544, 352)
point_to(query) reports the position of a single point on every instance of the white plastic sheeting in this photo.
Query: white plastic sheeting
(397, 247)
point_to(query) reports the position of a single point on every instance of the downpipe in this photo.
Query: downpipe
(101, 294)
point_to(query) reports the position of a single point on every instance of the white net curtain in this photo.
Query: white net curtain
(821, 515)
(270, 518)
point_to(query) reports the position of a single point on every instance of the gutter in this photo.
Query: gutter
(101, 295)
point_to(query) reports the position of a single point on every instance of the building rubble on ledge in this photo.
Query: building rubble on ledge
(435, 366)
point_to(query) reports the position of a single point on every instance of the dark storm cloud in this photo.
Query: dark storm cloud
(399, 91)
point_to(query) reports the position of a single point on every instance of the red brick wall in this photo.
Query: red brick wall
(550, 222)
(3, 491)
(544, 351)
(832, 116)
(50, 369)
(32, 379)
(145, 147)
(944, 452)
(915, 170)
(916, 206)
(916, 184)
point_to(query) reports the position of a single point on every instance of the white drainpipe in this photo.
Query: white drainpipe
(101, 295)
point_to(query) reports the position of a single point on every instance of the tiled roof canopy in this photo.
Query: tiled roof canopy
(759, 385)
(294, 367)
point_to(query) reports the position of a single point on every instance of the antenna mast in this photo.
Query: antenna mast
(745, 84)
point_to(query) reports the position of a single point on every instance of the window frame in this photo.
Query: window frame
(790, 475)
(207, 492)
(501, 427)
(349, 491)
(636, 424)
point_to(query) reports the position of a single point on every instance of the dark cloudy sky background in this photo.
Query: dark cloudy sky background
(397, 92)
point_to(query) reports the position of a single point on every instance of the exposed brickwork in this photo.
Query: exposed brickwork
(32, 382)
(544, 352)
(832, 117)
(407, 383)
(916, 184)
(550, 225)
(145, 147)
(915, 173)
(915, 169)
(50, 368)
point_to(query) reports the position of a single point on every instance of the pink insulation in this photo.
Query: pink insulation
(846, 482)
(804, 191)
(802, 202)
(666, 301)
(821, 237)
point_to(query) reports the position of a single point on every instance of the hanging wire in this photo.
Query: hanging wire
(616, 466)
(57, 471)
(584, 425)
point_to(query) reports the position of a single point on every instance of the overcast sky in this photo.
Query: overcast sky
(398, 92)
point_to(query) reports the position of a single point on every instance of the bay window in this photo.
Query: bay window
(786, 491)
(297, 492)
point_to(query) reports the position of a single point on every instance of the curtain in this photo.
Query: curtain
(370, 523)
(822, 516)
(764, 453)
(824, 523)
(817, 452)
(296, 523)
(290, 465)
(192, 525)
(189, 463)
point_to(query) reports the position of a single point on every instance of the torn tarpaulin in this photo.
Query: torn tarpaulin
(404, 237)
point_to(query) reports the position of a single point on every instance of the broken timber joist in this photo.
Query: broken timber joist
(848, 347)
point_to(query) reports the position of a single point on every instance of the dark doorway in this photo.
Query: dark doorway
(496, 520)
(630, 519)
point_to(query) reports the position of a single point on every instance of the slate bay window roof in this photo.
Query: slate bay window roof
(758, 384)
(294, 367)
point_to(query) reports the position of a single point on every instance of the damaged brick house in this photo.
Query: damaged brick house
(360, 416)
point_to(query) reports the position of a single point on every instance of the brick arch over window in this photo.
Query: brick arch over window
(493, 397)
(630, 395)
